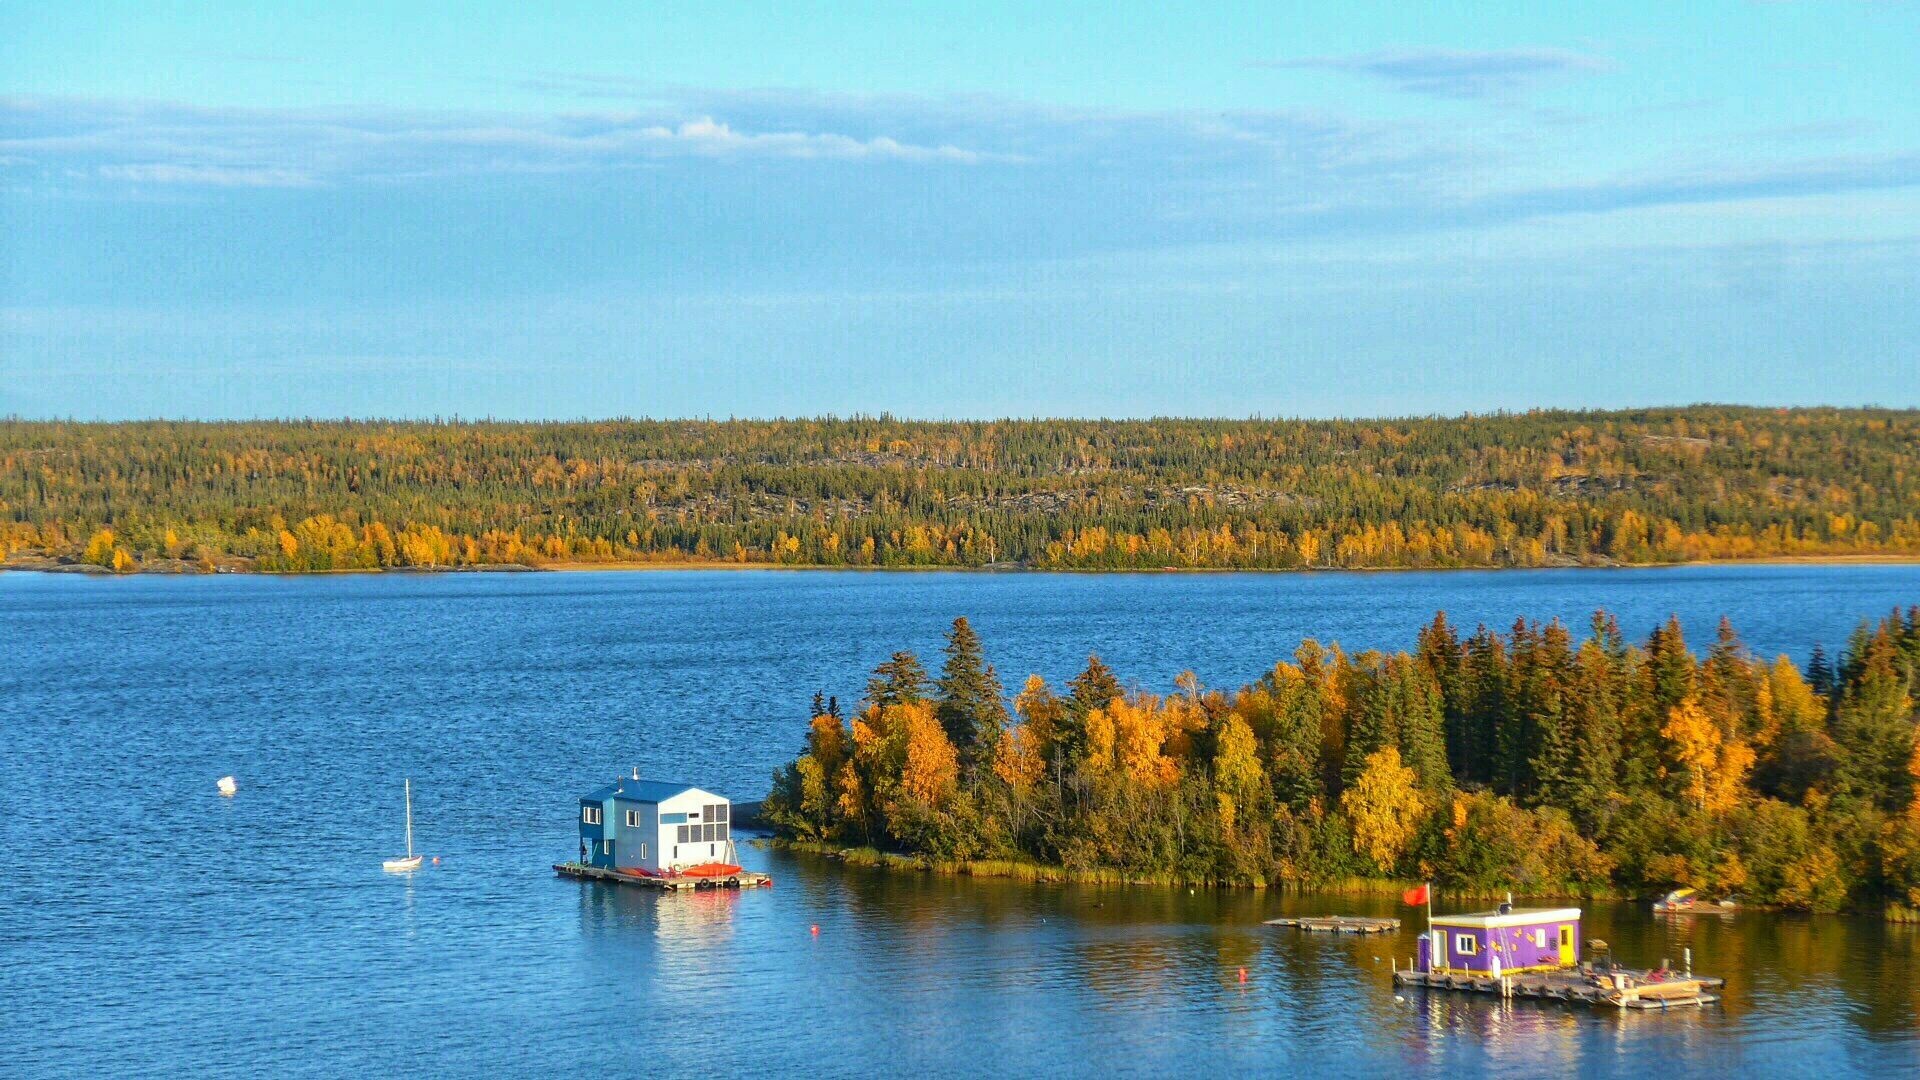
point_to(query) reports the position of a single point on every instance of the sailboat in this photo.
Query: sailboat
(410, 861)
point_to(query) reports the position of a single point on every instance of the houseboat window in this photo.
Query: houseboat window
(715, 811)
(681, 837)
(706, 832)
(1465, 944)
(710, 848)
(643, 851)
(1540, 939)
(606, 847)
(633, 819)
(590, 815)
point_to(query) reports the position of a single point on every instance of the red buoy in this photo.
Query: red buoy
(1243, 974)
(816, 929)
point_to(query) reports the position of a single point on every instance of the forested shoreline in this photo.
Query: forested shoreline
(1533, 760)
(1533, 489)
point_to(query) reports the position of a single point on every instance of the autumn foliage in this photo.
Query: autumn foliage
(1527, 760)
(1535, 489)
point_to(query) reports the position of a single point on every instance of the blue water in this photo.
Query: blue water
(150, 927)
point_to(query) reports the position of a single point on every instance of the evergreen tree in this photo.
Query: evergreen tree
(1293, 751)
(1874, 729)
(1820, 675)
(1514, 726)
(1670, 665)
(971, 702)
(1423, 743)
(1094, 687)
(1486, 694)
(1552, 764)
(1593, 712)
(1375, 717)
(898, 681)
(1439, 648)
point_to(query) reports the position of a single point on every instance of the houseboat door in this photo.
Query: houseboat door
(1566, 946)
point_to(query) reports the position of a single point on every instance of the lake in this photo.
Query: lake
(150, 927)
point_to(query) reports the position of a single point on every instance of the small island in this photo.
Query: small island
(1529, 760)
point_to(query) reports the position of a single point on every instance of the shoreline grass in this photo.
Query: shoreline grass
(1054, 874)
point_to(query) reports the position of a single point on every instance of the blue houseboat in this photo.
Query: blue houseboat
(655, 827)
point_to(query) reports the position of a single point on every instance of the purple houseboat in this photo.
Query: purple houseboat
(1507, 941)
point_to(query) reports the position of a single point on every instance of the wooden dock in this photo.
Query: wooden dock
(1339, 924)
(745, 879)
(1622, 987)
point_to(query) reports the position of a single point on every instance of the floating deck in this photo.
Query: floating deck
(1595, 988)
(744, 879)
(1339, 924)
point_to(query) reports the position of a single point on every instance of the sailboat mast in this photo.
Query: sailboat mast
(409, 817)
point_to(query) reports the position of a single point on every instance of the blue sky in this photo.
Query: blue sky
(213, 210)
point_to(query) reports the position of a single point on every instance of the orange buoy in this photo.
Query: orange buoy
(1243, 974)
(436, 860)
(816, 929)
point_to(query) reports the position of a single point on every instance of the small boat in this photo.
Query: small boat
(1688, 902)
(227, 785)
(409, 861)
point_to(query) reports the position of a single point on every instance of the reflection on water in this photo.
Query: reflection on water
(150, 926)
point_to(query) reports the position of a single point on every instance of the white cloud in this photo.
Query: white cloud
(208, 175)
(150, 143)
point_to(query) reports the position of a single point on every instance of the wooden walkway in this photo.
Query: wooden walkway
(745, 879)
(1599, 988)
(1338, 924)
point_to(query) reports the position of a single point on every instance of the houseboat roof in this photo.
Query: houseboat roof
(1513, 917)
(643, 791)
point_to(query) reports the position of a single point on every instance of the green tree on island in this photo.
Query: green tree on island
(1524, 761)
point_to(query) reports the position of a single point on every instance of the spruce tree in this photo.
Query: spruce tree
(1671, 665)
(1375, 717)
(972, 706)
(899, 680)
(1439, 649)
(1094, 687)
(1423, 744)
(1485, 690)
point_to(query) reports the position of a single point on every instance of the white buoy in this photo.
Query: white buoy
(228, 786)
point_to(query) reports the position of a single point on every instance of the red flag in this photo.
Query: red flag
(1417, 895)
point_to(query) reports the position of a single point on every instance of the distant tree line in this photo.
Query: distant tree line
(1527, 760)
(1532, 489)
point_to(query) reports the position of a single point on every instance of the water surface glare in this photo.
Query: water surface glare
(150, 927)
